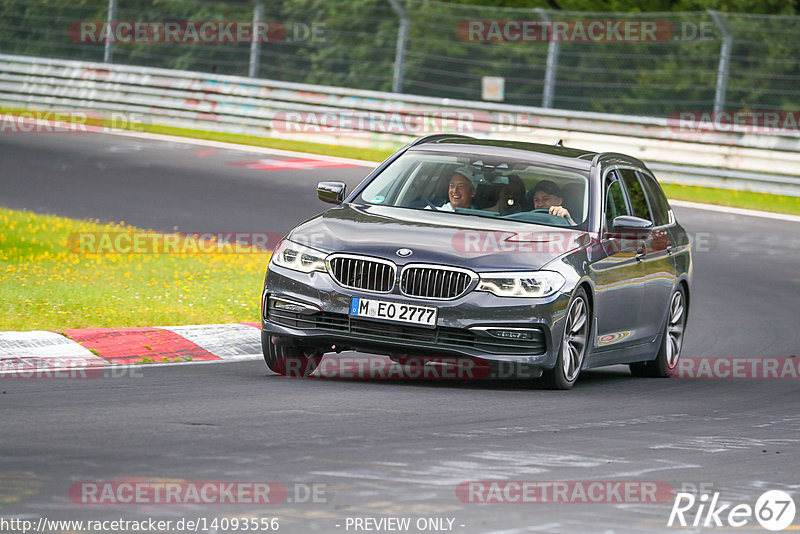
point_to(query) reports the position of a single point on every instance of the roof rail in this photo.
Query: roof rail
(436, 137)
(616, 155)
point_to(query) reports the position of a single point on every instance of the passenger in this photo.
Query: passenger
(511, 197)
(461, 190)
(547, 195)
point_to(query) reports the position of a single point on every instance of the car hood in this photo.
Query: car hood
(479, 243)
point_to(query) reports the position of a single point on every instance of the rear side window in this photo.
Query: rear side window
(615, 200)
(658, 202)
(636, 194)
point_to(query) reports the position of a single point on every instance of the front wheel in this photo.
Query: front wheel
(574, 344)
(288, 360)
(669, 352)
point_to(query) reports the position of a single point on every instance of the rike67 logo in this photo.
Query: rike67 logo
(774, 510)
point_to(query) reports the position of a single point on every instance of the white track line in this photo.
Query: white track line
(735, 211)
(242, 148)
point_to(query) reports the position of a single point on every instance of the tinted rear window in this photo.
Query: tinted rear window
(636, 194)
(658, 202)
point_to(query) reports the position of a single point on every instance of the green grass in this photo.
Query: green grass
(46, 285)
(736, 199)
(366, 154)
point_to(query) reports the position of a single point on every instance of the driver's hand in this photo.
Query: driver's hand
(560, 211)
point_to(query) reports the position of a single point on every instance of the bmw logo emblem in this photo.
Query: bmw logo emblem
(405, 252)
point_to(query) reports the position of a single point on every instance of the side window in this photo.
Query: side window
(615, 199)
(658, 202)
(636, 194)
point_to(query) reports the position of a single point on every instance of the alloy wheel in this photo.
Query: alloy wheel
(574, 344)
(675, 328)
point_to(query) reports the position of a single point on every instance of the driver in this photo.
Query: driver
(461, 190)
(547, 195)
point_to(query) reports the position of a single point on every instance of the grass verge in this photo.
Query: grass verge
(46, 286)
(366, 154)
(735, 199)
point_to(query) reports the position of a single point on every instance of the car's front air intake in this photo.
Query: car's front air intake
(359, 272)
(435, 282)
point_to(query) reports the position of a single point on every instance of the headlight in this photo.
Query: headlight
(521, 284)
(298, 257)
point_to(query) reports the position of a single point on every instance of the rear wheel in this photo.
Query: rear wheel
(669, 352)
(290, 360)
(574, 344)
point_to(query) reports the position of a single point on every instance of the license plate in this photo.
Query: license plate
(393, 311)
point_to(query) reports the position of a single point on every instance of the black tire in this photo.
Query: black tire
(288, 360)
(575, 344)
(669, 351)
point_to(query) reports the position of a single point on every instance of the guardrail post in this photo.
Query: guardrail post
(400, 52)
(548, 92)
(724, 61)
(255, 44)
(108, 51)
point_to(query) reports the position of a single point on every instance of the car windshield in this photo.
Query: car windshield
(477, 186)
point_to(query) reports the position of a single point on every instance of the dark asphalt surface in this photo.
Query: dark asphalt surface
(389, 448)
(157, 185)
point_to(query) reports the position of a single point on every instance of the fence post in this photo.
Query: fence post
(548, 92)
(400, 52)
(255, 44)
(108, 52)
(724, 61)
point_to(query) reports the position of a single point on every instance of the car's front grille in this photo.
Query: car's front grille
(445, 337)
(434, 282)
(366, 274)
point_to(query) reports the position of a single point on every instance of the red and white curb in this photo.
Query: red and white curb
(39, 352)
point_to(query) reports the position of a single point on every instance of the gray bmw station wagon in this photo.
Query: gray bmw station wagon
(554, 258)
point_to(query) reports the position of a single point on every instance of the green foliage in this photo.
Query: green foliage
(355, 48)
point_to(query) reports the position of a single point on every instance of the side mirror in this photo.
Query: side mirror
(628, 223)
(331, 192)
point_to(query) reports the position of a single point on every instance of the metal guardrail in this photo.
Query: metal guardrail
(736, 159)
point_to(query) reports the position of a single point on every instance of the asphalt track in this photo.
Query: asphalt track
(390, 448)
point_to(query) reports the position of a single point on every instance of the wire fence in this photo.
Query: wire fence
(653, 64)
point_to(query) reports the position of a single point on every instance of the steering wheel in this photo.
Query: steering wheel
(541, 210)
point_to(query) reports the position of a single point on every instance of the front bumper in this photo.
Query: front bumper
(323, 321)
